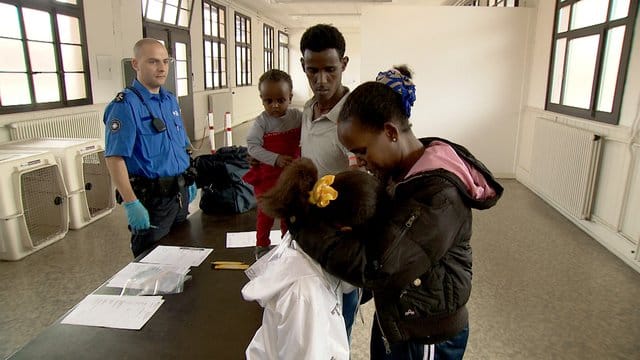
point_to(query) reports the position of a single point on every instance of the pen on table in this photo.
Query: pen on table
(192, 248)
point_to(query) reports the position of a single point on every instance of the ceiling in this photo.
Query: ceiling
(305, 13)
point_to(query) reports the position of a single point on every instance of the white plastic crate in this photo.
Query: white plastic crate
(34, 208)
(85, 173)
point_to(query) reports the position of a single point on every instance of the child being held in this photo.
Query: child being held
(273, 140)
(302, 303)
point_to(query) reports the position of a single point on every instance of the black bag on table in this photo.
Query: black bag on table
(219, 176)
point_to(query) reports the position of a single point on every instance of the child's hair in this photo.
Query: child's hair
(376, 102)
(359, 195)
(322, 37)
(275, 75)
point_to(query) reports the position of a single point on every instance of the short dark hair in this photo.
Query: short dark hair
(322, 37)
(374, 104)
(275, 75)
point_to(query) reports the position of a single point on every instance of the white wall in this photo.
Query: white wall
(617, 194)
(469, 66)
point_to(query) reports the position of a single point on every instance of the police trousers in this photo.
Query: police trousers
(164, 212)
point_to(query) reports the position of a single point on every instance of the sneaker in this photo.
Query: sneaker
(259, 251)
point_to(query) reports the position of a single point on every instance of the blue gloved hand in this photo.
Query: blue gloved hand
(137, 215)
(193, 191)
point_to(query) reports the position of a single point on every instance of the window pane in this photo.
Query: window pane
(563, 19)
(208, 80)
(558, 70)
(214, 21)
(14, 89)
(207, 48)
(221, 32)
(184, 18)
(37, 24)
(185, 4)
(9, 23)
(71, 57)
(206, 13)
(581, 63)
(182, 87)
(216, 80)
(223, 78)
(181, 69)
(13, 59)
(42, 56)
(611, 63)
(69, 29)
(181, 51)
(170, 13)
(74, 2)
(144, 8)
(46, 87)
(619, 9)
(175, 3)
(588, 12)
(75, 86)
(154, 10)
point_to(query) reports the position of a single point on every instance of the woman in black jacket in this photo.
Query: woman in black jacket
(417, 259)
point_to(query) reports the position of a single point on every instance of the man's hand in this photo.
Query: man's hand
(137, 215)
(283, 160)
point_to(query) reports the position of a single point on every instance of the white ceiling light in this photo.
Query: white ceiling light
(321, 1)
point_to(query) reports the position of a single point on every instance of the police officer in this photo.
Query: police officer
(146, 149)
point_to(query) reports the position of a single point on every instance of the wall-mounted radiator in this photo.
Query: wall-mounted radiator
(82, 125)
(564, 165)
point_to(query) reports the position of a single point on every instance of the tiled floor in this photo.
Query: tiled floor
(542, 288)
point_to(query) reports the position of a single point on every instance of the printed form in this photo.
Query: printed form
(113, 311)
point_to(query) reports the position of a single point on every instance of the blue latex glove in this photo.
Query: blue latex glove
(193, 191)
(137, 215)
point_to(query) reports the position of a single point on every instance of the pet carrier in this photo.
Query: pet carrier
(84, 172)
(34, 207)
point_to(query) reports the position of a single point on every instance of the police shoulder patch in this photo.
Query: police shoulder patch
(119, 97)
(114, 125)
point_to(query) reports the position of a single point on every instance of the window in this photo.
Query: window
(215, 45)
(243, 50)
(44, 55)
(267, 34)
(283, 51)
(502, 3)
(172, 12)
(590, 54)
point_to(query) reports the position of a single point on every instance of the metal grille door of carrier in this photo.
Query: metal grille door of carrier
(42, 200)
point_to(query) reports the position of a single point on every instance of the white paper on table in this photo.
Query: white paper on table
(127, 275)
(113, 311)
(248, 238)
(177, 255)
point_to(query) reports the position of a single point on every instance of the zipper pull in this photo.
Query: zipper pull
(411, 220)
(387, 347)
(180, 199)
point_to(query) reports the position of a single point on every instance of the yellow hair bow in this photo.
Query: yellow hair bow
(322, 192)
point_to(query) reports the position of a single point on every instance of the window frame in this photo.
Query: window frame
(239, 45)
(598, 29)
(280, 51)
(268, 33)
(218, 41)
(145, 6)
(54, 8)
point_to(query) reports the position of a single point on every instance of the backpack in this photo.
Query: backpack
(219, 176)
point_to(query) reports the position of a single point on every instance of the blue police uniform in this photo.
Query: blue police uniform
(153, 150)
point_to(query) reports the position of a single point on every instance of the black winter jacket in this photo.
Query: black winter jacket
(415, 256)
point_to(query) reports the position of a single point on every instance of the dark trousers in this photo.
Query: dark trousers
(452, 349)
(350, 302)
(164, 212)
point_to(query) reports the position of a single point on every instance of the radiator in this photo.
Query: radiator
(82, 125)
(564, 165)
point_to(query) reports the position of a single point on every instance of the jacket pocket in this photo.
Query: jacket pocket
(424, 296)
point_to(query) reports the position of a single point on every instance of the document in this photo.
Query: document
(113, 311)
(248, 239)
(133, 275)
(180, 256)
